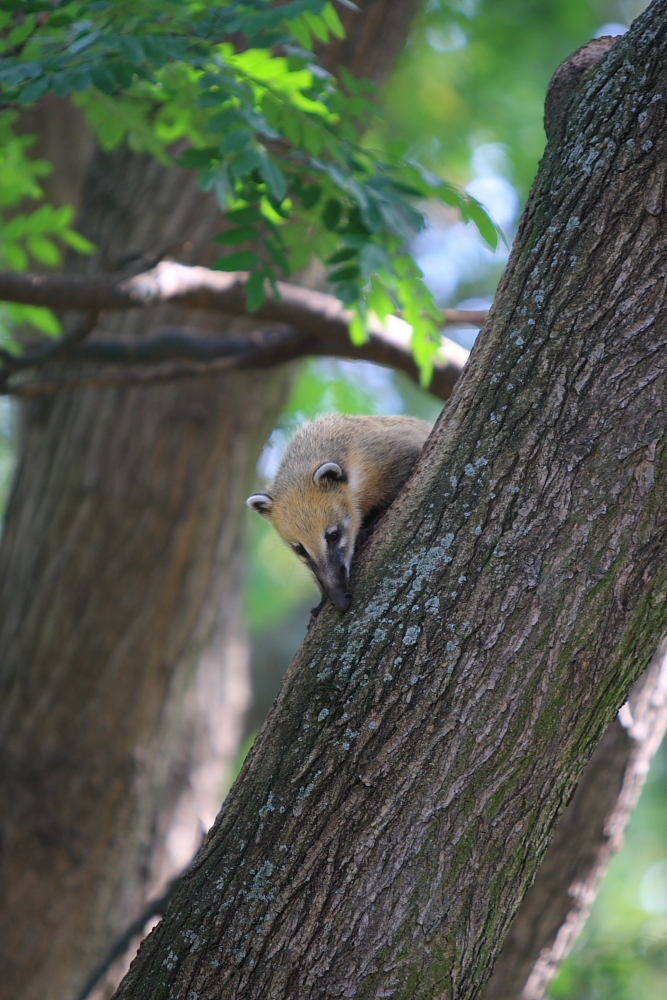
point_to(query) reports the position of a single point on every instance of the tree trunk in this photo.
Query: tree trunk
(121, 573)
(590, 832)
(403, 791)
(592, 827)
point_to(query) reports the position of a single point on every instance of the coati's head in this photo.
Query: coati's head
(316, 516)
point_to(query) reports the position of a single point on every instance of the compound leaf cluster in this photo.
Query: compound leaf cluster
(234, 90)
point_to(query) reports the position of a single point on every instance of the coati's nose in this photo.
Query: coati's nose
(341, 602)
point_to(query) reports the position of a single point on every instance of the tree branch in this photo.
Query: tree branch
(195, 287)
(312, 324)
(181, 352)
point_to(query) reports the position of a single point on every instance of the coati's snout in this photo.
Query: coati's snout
(334, 579)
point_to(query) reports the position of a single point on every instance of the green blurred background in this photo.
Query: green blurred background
(467, 99)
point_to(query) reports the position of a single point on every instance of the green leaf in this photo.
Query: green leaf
(277, 255)
(356, 225)
(35, 90)
(44, 250)
(301, 32)
(348, 292)
(245, 163)
(273, 177)
(39, 317)
(251, 213)
(16, 256)
(223, 120)
(449, 195)
(345, 274)
(19, 34)
(317, 25)
(236, 141)
(241, 261)
(358, 330)
(379, 299)
(121, 71)
(332, 213)
(485, 225)
(195, 158)
(221, 185)
(242, 234)
(255, 291)
(332, 21)
(76, 241)
(342, 255)
(310, 195)
(312, 138)
(103, 79)
(132, 50)
(61, 84)
(290, 123)
(373, 258)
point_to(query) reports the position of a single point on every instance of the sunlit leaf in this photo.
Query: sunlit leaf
(484, 223)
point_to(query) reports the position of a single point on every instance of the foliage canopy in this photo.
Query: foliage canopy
(233, 90)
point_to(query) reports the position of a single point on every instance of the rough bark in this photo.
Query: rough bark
(121, 547)
(403, 791)
(589, 833)
(592, 827)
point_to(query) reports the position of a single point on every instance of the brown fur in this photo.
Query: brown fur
(372, 458)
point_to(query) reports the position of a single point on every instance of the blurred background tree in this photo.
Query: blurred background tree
(467, 97)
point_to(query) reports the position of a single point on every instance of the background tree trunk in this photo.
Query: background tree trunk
(121, 573)
(121, 549)
(395, 808)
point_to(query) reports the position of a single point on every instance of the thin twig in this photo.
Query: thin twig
(33, 357)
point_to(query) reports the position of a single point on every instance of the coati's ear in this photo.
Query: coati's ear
(330, 472)
(261, 502)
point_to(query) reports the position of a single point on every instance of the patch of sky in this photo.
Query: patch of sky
(653, 888)
(611, 28)
(448, 38)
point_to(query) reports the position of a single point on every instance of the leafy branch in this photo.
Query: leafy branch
(273, 135)
(304, 323)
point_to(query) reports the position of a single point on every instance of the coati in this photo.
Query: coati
(336, 476)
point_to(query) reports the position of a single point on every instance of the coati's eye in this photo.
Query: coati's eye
(299, 549)
(332, 536)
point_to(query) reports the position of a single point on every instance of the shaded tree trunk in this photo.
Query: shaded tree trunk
(402, 793)
(120, 554)
(121, 573)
